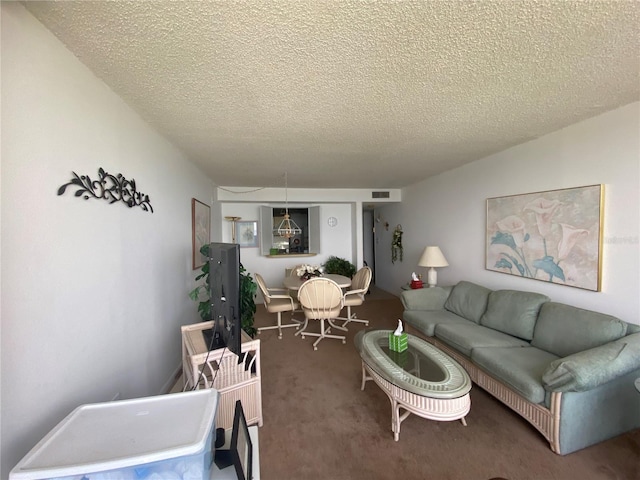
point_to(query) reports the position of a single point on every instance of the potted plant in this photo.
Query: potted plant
(339, 266)
(248, 288)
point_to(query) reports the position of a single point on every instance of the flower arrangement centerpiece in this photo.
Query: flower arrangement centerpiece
(305, 272)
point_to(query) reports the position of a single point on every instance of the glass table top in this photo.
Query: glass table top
(421, 369)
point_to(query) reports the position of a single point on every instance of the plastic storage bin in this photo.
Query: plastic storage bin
(163, 437)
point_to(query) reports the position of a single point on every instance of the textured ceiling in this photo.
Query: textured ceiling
(354, 94)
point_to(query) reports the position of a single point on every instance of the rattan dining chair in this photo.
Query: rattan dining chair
(356, 296)
(321, 299)
(289, 271)
(277, 300)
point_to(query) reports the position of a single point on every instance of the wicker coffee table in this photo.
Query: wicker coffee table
(421, 380)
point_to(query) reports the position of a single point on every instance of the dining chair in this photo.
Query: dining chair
(289, 271)
(321, 299)
(293, 272)
(277, 300)
(356, 295)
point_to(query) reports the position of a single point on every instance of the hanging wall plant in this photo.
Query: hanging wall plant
(396, 245)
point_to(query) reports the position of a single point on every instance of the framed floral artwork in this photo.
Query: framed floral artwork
(200, 231)
(554, 236)
(247, 232)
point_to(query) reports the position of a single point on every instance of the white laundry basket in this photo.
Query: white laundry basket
(160, 437)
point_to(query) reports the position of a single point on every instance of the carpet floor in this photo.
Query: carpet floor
(319, 424)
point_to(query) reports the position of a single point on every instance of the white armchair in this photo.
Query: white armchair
(321, 299)
(356, 296)
(277, 300)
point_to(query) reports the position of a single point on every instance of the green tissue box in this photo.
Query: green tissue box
(398, 343)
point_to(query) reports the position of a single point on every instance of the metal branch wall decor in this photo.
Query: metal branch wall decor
(112, 188)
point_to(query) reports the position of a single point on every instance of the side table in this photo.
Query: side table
(234, 381)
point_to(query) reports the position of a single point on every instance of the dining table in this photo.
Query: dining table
(294, 282)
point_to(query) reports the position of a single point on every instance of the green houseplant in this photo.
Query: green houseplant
(248, 288)
(339, 266)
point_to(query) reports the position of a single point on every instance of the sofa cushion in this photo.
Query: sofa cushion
(564, 330)
(425, 321)
(513, 312)
(425, 298)
(591, 368)
(468, 300)
(466, 337)
(520, 369)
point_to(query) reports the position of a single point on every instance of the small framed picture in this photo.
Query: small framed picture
(247, 233)
(241, 447)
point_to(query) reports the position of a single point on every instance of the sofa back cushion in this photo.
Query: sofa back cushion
(468, 300)
(564, 330)
(632, 328)
(513, 312)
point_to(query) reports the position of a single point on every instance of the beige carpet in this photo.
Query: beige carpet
(318, 424)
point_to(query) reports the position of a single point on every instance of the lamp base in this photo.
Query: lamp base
(432, 277)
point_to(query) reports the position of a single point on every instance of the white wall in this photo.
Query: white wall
(449, 210)
(333, 240)
(93, 295)
(358, 199)
(324, 195)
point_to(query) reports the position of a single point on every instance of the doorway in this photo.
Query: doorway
(368, 242)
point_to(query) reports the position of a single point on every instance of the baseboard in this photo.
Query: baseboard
(168, 385)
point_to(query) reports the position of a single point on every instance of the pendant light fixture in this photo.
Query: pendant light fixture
(287, 228)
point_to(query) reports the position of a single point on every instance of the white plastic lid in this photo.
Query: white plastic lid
(106, 436)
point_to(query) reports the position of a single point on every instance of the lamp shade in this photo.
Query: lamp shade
(433, 257)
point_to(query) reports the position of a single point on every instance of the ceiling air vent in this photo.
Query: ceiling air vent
(379, 194)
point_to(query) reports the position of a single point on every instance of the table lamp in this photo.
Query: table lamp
(432, 257)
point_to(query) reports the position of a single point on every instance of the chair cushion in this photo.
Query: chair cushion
(322, 314)
(353, 300)
(468, 300)
(280, 305)
(513, 312)
(466, 337)
(426, 320)
(519, 368)
(361, 279)
(564, 330)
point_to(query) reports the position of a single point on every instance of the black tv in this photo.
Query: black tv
(224, 283)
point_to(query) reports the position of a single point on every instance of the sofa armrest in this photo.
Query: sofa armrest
(425, 298)
(591, 368)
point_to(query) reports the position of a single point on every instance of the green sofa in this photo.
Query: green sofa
(570, 372)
